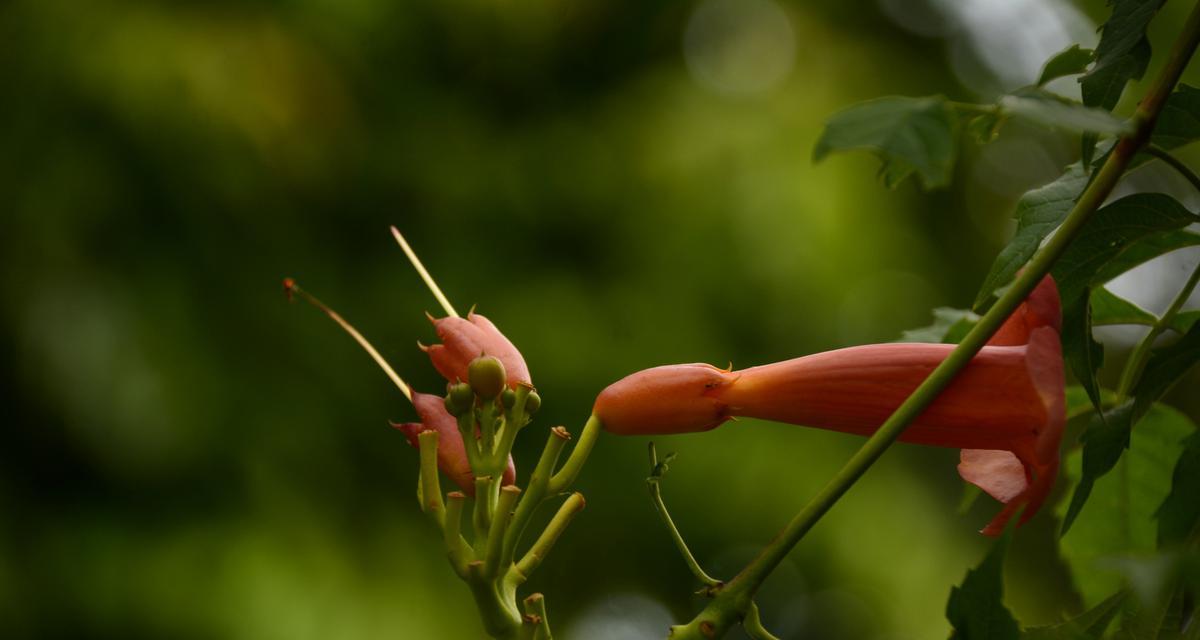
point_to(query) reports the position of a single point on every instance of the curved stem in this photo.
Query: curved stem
(291, 287)
(545, 542)
(734, 600)
(753, 625)
(653, 484)
(579, 455)
(1141, 353)
(1174, 163)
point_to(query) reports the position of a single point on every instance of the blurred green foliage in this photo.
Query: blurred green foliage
(190, 457)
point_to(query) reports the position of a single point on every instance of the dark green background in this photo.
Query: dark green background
(188, 456)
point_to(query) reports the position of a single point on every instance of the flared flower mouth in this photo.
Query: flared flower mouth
(1005, 410)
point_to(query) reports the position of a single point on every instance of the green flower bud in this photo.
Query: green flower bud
(487, 377)
(508, 398)
(460, 398)
(533, 403)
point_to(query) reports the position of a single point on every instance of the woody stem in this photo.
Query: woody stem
(734, 600)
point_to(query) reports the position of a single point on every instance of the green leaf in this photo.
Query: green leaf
(1145, 250)
(1112, 230)
(1069, 62)
(1166, 366)
(1038, 213)
(1108, 436)
(1102, 87)
(1163, 605)
(1123, 52)
(1082, 354)
(1179, 121)
(1089, 625)
(910, 135)
(1054, 112)
(1179, 514)
(1109, 309)
(1119, 520)
(976, 609)
(949, 326)
(1184, 321)
(1104, 441)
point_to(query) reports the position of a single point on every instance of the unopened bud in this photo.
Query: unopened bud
(459, 399)
(508, 398)
(533, 403)
(486, 376)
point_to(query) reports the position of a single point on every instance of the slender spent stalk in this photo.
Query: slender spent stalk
(429, 282)
(290, 286)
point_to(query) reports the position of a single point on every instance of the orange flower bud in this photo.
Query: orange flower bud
(452, 455)
(676, 398)
(463, 340)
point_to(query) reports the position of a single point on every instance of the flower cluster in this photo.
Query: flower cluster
(463, 341)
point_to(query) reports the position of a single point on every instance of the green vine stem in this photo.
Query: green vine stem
(733, 602)
(1141, 353)
(1175, 163)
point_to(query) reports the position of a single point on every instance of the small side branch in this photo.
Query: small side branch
(550, 535)
(657, 470)
(579, 455)
(1175, 163)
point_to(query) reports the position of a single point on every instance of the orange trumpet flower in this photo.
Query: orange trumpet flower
(1005, 410)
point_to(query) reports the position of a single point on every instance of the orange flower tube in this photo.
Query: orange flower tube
(1006, 409)
(452, 455)
(463, 340)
